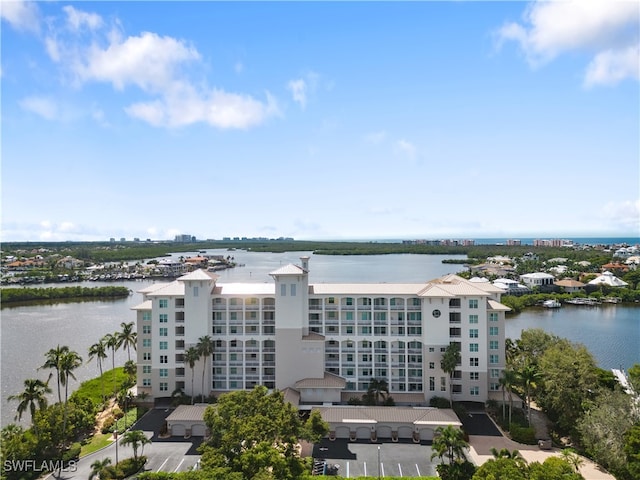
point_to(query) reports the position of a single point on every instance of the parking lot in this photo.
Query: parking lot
(355, 459)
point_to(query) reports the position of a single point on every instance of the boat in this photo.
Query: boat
(583, 301)
(553, 303)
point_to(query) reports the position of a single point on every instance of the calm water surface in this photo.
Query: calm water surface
(612, 333)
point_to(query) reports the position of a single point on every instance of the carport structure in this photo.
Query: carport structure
(187, 421)
(386, 423)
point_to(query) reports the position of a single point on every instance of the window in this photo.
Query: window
(493, 331)
(146, 343)
(473, 362)
(164, 303)
(293, 289)
(349, 330)
(432, 365)
(164, 345)
(494, 373)
(494, 387)
(432, 349)
(146, 316)
(146, 382)
(432, 383)
(164, 318)
(493, 317)
(474, 391)
(473, 318)
(164, 359)
(493, 359)
(415, 302)
(164, 387)
(493, 345)
(473, 303)
(474, 375)
(414, 331)
(348, 301)
(146, 329)
(443, 384)
(283, 290)
(146, 369)
(146, 356)
(436, 313)
(164, 332)
(473, 333)
(473, 347)
(196, 291)
(164, 372)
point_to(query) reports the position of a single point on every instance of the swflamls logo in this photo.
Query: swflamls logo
(40, 466)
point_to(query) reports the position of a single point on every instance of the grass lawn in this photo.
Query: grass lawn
(98, 441)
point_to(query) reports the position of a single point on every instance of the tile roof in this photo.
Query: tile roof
(171, 289)
(188, 413)
(146, 305)
(199, 275)
(328, 381)
(290, 269)
(414, 415)
(493, 305)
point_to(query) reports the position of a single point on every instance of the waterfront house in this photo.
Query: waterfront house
(609, 279)
(569, 285)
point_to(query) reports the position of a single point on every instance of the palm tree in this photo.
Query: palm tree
(514, 455)
(448, 442)
(68, 363)
(111, 341)
(449, 362)
(507, 381)
(570, 455)
(127, 337)
(528, 376)
(33, 396)
(53, 357)
(130, 368)
(98, 466)
(191, 356)
(99, 351)
(378, 389)
(137, 439)
(205, 348)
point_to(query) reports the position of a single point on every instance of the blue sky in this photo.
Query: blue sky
(327, 120)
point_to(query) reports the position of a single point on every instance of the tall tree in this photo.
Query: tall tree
(507, 381)
(191, 356)
(98, 466)
(68, 363)
(205, 347)
(528, 377)
(378, 389)
(99, 351)
(111, 341)
(127, 337)
(52, 362)
(137, 439)
(450, 360)
(33, 396)
(449, 442)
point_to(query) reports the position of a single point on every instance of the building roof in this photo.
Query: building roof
(199, 274)
(608, 278)
(372, 415)
(168, 289)
(493, 305)
(289, 269)
(329, 380)
(569, 282)
(365, 288)
(188, 413)
(245, 289)
(537, 275)
(146, 305)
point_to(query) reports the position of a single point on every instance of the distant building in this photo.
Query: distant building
(537, 279)
(608, 278)
(569, 285)
(184, 239)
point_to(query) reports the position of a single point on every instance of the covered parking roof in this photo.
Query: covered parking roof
(425, 416)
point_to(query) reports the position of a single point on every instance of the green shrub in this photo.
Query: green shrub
(73, 453)
(108, 424)
(526, 435)
(439, 402)
(123, 469)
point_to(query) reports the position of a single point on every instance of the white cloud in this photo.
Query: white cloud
(623, 216)
(148, 61)
(43, 106)
(298, 89)
(407, 148)
(21, 15)
(609, 30)
(77, 19)
(376, 137)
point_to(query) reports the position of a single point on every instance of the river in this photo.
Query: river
(612, 333)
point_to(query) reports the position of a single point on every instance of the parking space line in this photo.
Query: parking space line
(381, 466)
(163, 463)
(418, 470)
(365, 469)
(176, 469)
(400, 468)
(347, 469)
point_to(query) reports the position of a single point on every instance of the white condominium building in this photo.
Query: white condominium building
(321, 343)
